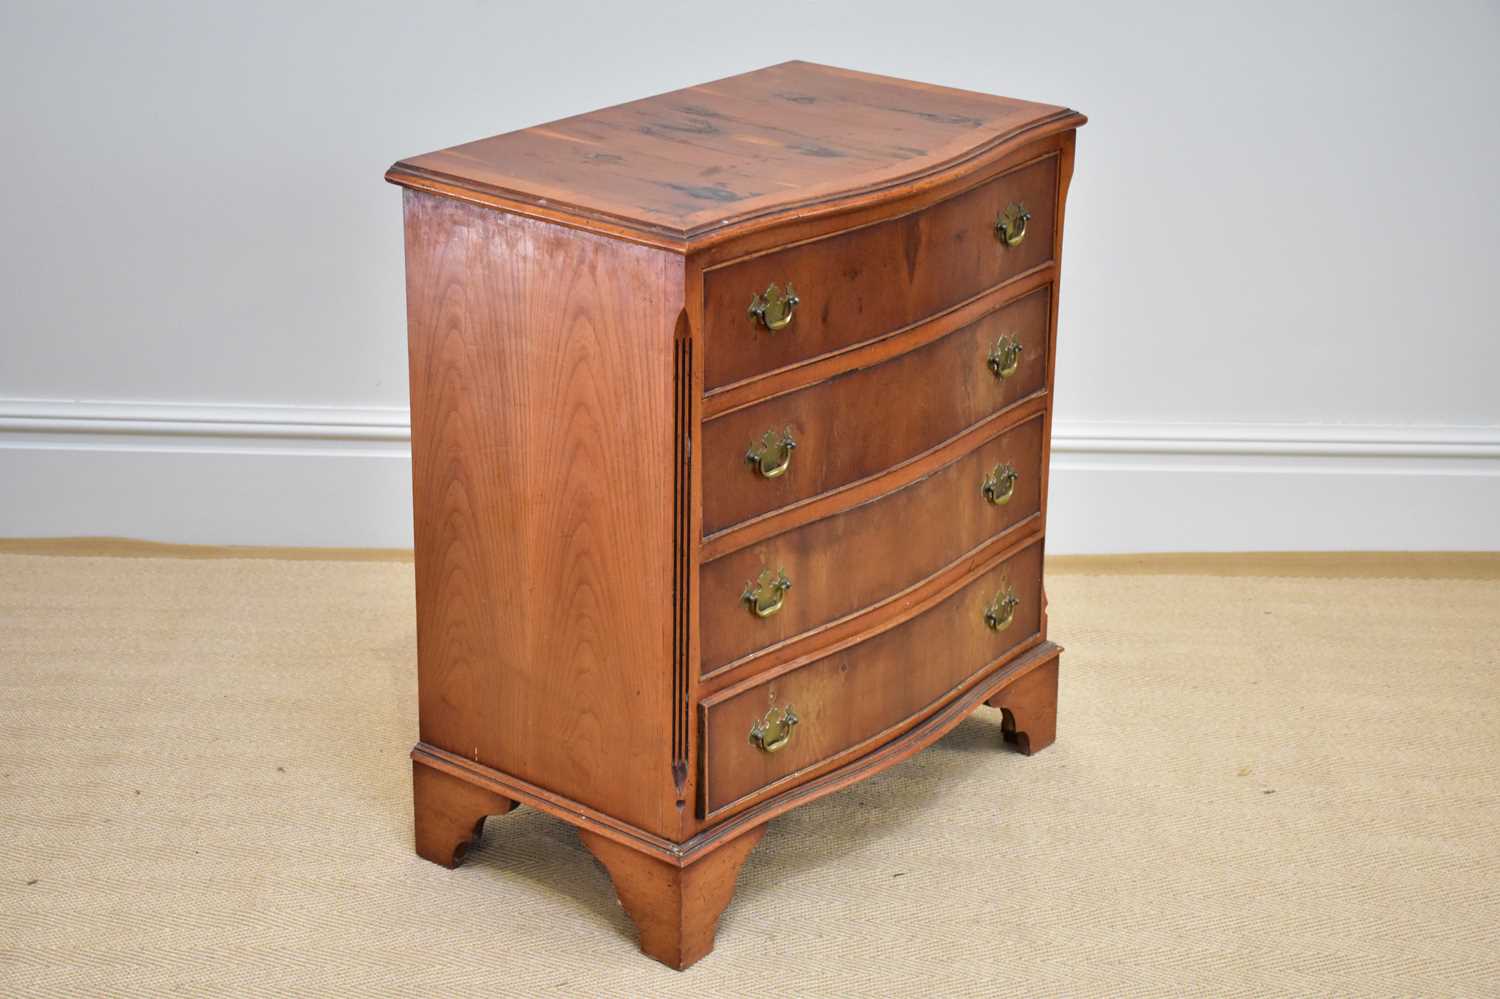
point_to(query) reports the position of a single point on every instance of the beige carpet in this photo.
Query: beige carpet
(1263, 784)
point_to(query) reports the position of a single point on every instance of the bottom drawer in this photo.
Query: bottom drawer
(852, 698)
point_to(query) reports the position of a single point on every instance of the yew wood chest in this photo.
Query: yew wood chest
(730, 422)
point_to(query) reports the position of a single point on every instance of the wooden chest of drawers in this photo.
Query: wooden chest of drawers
(730, 423)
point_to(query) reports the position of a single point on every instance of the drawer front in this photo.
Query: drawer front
(862, 284)
(863, 422)
(849, 700)
(842, 564)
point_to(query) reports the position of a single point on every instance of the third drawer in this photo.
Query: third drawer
(845, 563)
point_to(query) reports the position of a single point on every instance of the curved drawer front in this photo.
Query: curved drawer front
(852, 699)
(862, 284)
(863, 422)
(850, 561)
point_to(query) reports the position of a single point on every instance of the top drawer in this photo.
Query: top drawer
(864, 283)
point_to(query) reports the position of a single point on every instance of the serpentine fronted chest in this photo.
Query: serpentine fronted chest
(730, 423)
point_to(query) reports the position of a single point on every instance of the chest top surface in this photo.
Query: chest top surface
(684, 165)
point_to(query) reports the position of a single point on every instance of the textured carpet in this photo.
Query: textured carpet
(1262, 784)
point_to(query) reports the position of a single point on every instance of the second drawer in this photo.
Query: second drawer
(845, 563)
(816, 439)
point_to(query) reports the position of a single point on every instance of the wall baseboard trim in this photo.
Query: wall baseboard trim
(105, 547)
(44, 419)
(1276, 440)
(340, 477)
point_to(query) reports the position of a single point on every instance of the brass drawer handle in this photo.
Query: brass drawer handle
(771, 457)
(1000, 485)
(1002, 610)
(773, 310)
(774, 730)
(1005, 357)
(766, 595)
(1010, 227)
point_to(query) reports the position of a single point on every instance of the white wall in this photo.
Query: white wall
(1278, 325)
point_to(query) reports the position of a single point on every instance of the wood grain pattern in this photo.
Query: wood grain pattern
(851, 698)
(844, 564)
(676, 908)
(761, 144)
(861, 284)
(862, 422)
(541, 381)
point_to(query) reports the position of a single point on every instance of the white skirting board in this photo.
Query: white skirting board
(279, 475)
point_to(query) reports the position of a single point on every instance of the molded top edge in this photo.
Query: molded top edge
(684, 167)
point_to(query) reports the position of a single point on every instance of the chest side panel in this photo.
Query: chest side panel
(543, 455)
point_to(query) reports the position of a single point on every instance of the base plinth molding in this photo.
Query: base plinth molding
(1030, 706)
(449, 813)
